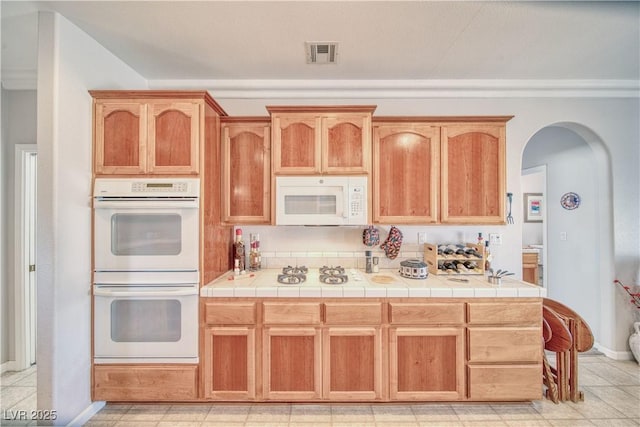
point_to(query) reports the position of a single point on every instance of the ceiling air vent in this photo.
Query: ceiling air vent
(321, 52)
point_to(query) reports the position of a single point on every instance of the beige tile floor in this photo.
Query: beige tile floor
(611, 388)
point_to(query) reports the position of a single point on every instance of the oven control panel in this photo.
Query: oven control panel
(146, 187)
(159, 187)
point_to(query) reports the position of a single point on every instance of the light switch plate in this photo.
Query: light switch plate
(495, 239)
(422, 237)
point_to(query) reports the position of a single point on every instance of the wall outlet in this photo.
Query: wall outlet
(563, 235)
(422, 237)
(495, 239)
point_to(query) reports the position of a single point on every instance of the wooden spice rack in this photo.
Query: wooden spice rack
(431, 257)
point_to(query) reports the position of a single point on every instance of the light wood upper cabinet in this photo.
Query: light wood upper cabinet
(473, 172)
(406, 173)
(327, 140)
(173, 137)
(134, 135)
(120, 135)
(246, 169)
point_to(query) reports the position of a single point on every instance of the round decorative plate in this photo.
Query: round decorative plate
(570, 201)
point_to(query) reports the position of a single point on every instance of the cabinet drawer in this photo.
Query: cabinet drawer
(505, 344)
(530, 258)
(505, 382)
(145, 383)
(426, 314)
(230, 313)
(353, 313)
(291, 313)
(505, 313)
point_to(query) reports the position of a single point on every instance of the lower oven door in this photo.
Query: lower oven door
(145, 324)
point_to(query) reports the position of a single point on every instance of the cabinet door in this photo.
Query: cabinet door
(406, 165)
(246, 173)
(120, 135)
(346, 144)
(296, 144)
(229, 366)
(426, 363)
(352, 367)
(292, 363)
(473, 174)
(173, 137)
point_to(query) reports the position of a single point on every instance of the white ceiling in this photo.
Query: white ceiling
(243, 41)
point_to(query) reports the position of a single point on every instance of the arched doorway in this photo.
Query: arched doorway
(578, 242)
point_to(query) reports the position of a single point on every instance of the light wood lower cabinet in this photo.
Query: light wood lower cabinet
(352, 363)
(413, 349)
(426, 363)
(530, 268)
(229, 368)
(292, 367)
(229, 354)
(505, 350)
(153, 382)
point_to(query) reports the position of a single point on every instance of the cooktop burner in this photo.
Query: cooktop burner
(333, 275)
(293, 275)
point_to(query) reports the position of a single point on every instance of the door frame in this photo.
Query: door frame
(542, 169)
(23, 319)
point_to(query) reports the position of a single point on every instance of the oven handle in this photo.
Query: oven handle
(145, 203)
(101, 292)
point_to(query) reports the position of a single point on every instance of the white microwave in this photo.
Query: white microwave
(321, 200)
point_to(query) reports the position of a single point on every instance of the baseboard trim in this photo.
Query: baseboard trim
(7, 366)
(612, 354)
(86, 415)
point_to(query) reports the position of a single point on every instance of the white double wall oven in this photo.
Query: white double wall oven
(146, 278)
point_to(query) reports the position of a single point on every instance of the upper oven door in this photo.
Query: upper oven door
(146, 235)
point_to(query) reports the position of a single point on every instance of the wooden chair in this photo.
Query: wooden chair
(581, 340)
(559, 341)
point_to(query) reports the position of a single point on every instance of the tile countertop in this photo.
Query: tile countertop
(263, 284)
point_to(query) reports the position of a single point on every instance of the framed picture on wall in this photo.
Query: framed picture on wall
(533, 207)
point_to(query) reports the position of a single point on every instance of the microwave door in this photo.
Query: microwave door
(312, 206)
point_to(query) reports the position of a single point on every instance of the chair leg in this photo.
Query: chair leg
(549, 381)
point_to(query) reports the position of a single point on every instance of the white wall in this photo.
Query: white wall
(70, 63)
(18, 127)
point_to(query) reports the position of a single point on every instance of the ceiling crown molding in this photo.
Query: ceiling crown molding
(19, 79)
(365, 89)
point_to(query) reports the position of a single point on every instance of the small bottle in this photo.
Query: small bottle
(369, 262)
(236, 267)
(239, 252)
(376, 267)
(488, 257)
(255, 260)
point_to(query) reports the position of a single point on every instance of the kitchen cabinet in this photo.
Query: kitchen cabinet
(292, 351)
(142, 133)
(229, 371)
(473, 169)
(426, 351)
(352, 351)
(371, 349)
(246, 170)
(505, 351)
(148, 382)
(530, 267)
(406, 172)
(444, 170)
(311, 140)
